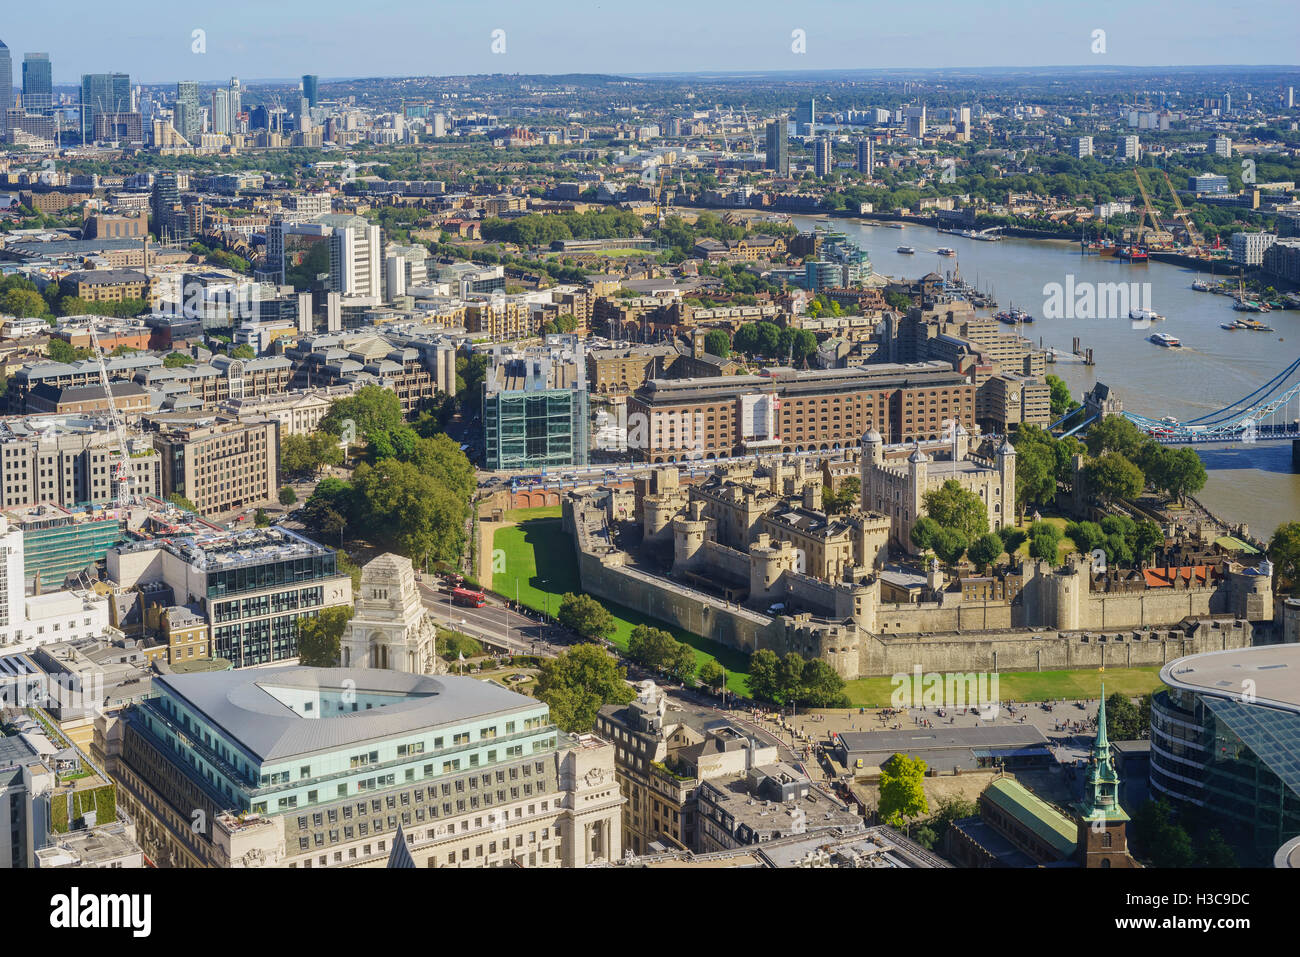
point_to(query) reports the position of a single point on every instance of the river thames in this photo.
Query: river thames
(1214, 367)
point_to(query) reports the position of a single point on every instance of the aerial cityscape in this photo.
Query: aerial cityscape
(535, 444)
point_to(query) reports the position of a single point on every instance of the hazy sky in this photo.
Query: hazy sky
(152, 39)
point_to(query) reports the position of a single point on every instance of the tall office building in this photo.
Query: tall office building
(38, 84)
(866, 155)
(311, 89)
(914, 117)
(6, 83)
(807, 114)
(778, 146)
(102, 93)
(187, 119)
(822, 156)
(356, 256)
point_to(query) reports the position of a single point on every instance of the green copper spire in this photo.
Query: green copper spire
(1101, 801)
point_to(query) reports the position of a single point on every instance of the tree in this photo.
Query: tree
(789, 677)
(261, 519)
(287, 495)
(1035, 476)
(60, 351)
(712, 674)
(902, 796)
(1085, 535)
(1060, 395)
(958, 509)
(923, 533)
(319, 636)
(1114, 433)
(24, 303)
(680, 665)
(371, 409)
(949, 545)
(1284, 553)
(985, 550)
(1044, 541)
(762, 674)
(585, 616)
(1122, 723)
(652, 647)
(1180, 472)
(1164, 841)
(1012, 538)
(1111, 476)
(1215, 851)
(717, 343)
(175, 360)
(835, 502)
(1146, 536)
(421, 517)
(821, 686)
(578, 682)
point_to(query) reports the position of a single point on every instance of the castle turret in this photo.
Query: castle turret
(689, 534)
(768, 561)
(1005, 513)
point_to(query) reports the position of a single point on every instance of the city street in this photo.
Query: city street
(494, 623)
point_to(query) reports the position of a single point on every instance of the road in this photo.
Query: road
(492, 622)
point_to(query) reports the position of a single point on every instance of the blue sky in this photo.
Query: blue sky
(151, 39)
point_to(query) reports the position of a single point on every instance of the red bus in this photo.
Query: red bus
(471, 599)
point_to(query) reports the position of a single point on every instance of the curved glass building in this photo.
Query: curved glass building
(1225, 737)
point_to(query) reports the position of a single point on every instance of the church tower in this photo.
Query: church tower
(1103, 833)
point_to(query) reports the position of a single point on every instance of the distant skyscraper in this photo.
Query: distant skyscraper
(866, 155)
(236, 105)
(186, 117)
(38, 84)
(807, 114)
(778, 146)
(6, 82)
(1227, 102)
(1290, 97)
(1128, 148)
(311, 89)
(102, 93)
(822, 156)
(220, 111)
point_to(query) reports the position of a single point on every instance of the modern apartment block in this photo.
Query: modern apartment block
(218, 463)
(778, 146)
(327, 767)
(252, 586)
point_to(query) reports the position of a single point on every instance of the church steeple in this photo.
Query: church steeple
(1101, 798)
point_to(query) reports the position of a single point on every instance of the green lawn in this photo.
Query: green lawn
(1062, 550)
(539, 539)
(1028, 685)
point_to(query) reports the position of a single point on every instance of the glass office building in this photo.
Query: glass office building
(1225, 737)
(535, 408)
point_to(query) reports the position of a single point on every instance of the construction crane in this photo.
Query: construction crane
(753, 137)
(122, 473)
(1193, 234)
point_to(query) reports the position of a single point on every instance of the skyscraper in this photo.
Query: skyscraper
(186, 119)
(778, 146)
(235, 104)
(866, 155)
(822, 156)
(220, 111)
(38, 84)
(6, 83)
(310, 88)
(102, 93)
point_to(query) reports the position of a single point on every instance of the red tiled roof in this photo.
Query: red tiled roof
(1164, 577)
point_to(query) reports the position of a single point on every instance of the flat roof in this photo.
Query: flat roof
(1273, 669)
(919, 740)
(241, 704)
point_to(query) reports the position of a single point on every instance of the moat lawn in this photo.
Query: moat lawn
(1029, 685)
(539, 565)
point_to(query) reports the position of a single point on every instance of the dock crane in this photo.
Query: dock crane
(122, 474)
(1147, 212)
(1193, 234)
